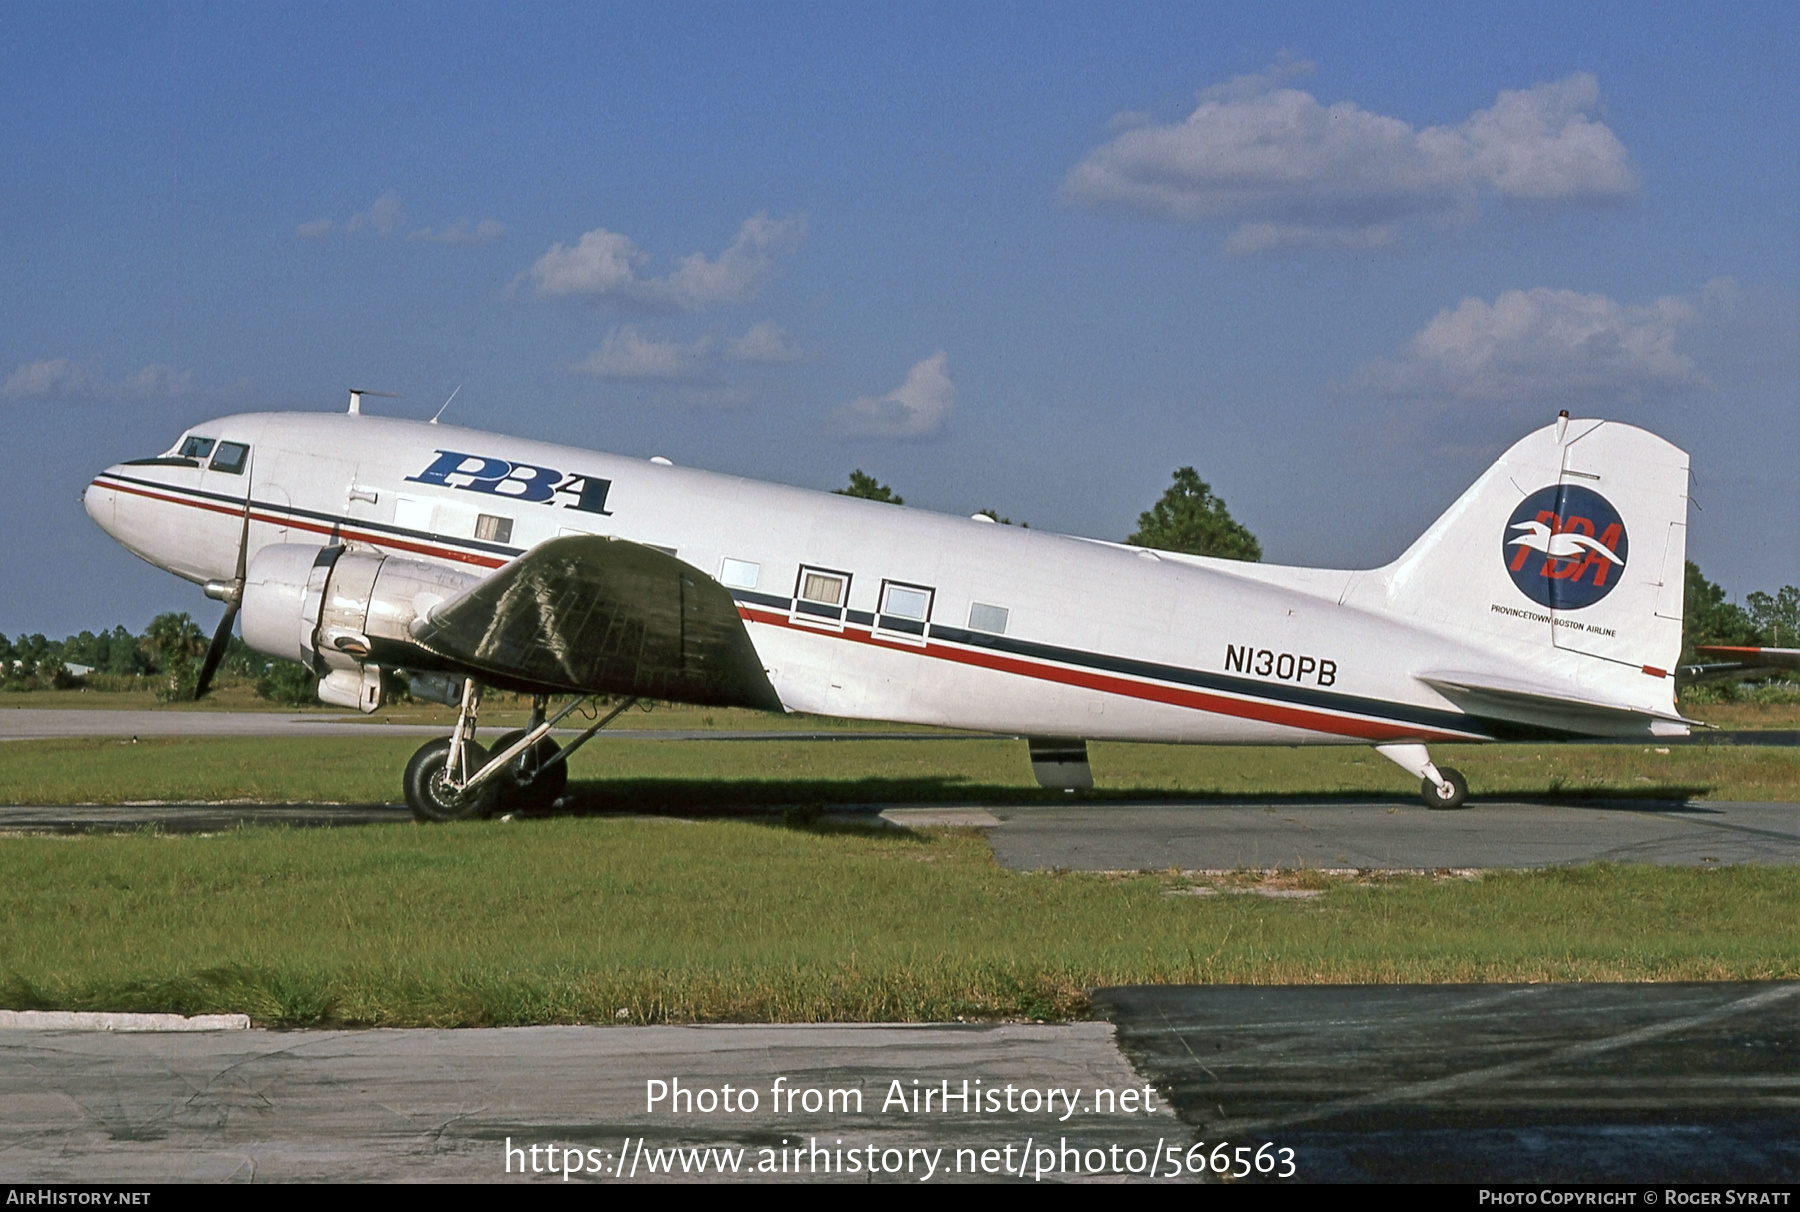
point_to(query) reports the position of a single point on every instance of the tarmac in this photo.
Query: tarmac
(422, 1105)
(1574, 1083)
(1100, 835)
(1425, 1083)
(1394, 834)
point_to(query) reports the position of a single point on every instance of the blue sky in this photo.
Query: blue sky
(1030, 258)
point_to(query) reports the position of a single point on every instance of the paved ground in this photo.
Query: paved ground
(1099, 836)
(44, 723)
(1479, 1083)
(1392, 834)
(441, 1105)
(1500, 1083)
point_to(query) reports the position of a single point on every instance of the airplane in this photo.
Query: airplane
(356, 543)
(1739, 663)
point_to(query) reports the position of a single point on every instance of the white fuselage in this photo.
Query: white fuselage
(1027, 632)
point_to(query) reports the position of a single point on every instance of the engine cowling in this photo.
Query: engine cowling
(343, 614)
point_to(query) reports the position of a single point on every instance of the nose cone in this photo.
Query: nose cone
(101, 501)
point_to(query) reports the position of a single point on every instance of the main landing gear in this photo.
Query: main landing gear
(1439, 787)
(454, 778)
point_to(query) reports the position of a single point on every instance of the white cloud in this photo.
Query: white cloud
(1286, 171)
(61, 379)
(462, 232)
(51, 377)
(917, 408)
(629, 354)
(764, 343)
(387, 215)
(382, 218)
(606, 264)
(1540, 347)
(602, 262)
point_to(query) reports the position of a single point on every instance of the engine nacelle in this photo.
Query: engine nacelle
(343, 614)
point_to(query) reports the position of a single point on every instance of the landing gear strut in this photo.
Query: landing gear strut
(533, 781)
(455, 779)
(1439, 787)
(439, 779)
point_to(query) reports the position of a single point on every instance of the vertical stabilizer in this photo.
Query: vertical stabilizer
(1565, 559)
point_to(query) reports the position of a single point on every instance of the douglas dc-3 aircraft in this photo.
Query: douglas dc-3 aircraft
(1545, 604)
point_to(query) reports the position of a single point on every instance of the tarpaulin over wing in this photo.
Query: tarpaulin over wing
(595, 615)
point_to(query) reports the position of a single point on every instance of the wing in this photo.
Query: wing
(584, 614)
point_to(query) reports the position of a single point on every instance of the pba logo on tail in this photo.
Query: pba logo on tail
(1565, 547)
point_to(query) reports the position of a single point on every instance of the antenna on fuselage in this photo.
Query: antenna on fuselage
(440, 412)
(357, 393)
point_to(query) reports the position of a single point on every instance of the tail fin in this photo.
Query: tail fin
(1574, 543)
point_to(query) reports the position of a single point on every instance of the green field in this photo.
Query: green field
(664, 920)
(608, 915)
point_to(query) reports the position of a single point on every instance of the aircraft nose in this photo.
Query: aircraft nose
(101, 501)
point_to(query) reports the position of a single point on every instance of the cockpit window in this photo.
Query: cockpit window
(230, 458)
(196, 448)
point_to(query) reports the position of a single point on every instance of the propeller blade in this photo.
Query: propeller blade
(244, 535)
(216, 651)
(221, 640)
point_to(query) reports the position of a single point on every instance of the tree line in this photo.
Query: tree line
(164, 658)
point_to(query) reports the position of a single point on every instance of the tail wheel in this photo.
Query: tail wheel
(428, 790)
(527, 784)
(1434, 796)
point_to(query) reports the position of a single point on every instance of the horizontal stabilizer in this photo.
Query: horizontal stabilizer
(584, 614)
(1755, 658)
(1521, 702)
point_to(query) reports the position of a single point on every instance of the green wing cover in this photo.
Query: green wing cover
(587, 614)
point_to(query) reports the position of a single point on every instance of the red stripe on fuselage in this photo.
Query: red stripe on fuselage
(341, 530)
(1198, 700)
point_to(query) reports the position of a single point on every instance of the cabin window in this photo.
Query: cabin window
(983, 617)
(230, 458)
(491, 529)
(904, 608)
(739, 574)
(196, 448)
(823, 589)
(820, 596)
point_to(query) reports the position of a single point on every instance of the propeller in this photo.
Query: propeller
(232, 594)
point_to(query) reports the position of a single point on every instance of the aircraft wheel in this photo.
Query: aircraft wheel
(1434, 798)
(529, 786)
(430, 795)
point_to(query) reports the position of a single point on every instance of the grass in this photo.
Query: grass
(1748, 715)
(640, 775)
(656, 920)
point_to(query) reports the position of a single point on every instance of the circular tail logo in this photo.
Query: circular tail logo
(1565, 547)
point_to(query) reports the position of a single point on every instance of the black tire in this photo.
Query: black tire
(431, 798)
(527, 785)
(1459, 790)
